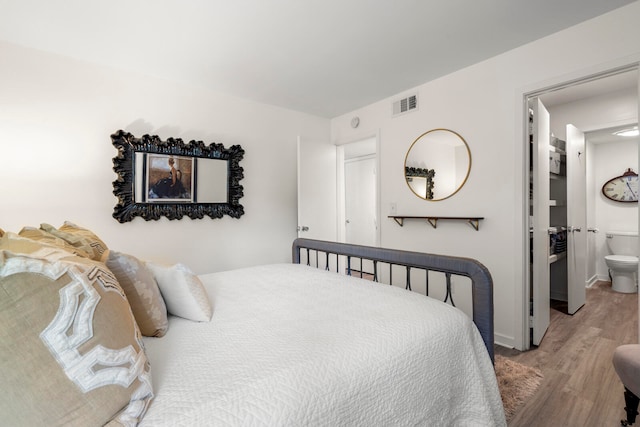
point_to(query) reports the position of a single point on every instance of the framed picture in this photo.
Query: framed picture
(170, 178)
(210, 174)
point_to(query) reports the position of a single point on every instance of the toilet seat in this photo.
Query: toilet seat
(622, 258)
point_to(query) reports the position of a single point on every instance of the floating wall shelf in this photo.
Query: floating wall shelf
(433, 220)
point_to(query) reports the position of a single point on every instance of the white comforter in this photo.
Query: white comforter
(291, 345)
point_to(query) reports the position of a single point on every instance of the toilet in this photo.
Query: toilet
(623, 261)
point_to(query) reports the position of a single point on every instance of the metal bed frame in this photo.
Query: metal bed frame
(481, 281)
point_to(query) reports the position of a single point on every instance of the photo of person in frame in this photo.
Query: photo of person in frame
(169, 177)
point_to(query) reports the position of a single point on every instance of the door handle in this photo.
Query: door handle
(592, 230)
(577, 229)
(303, 228)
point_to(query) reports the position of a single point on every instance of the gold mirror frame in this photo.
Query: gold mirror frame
(437, 164)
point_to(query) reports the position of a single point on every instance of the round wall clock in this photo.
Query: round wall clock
(623, 188)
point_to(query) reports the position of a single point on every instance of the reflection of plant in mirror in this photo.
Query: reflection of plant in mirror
(428, 174)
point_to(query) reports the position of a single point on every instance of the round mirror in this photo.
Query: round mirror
(437, 164)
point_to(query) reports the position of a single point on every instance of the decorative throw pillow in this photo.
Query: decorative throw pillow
(71, 351)
(142, 291)
(183, 292)
(23, 245)
(81, 238)
(46, 238)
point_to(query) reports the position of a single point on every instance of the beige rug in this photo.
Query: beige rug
(516, 381)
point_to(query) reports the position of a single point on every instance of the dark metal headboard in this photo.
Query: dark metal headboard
(481, 281)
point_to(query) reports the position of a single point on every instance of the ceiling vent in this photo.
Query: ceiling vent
(405, 105)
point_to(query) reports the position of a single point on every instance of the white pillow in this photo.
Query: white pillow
(182, 291)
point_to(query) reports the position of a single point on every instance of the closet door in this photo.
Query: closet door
(576, 219)
(317, 212)
(361, 224)
(539, 225)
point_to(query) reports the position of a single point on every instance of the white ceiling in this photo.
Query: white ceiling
(621, 82)
(323, 57)
(603, 136)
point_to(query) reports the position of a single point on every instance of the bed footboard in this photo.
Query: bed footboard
(481, 281)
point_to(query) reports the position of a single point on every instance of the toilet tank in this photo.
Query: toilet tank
(622, 242)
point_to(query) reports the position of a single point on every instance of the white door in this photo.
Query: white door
(360, 201)
(576, 219)
(317, 217)
(539, 229)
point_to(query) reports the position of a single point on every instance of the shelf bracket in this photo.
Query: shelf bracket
(433, 222)
(475, 223)
(399, 220)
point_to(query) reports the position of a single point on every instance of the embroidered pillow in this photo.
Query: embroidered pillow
(142, 291)
(71, 351)
(46, 238)
(81, 238)
(183, 292)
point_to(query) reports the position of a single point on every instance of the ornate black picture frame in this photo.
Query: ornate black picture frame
(128, 187)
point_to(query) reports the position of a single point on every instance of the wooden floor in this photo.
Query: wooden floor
(580, 386)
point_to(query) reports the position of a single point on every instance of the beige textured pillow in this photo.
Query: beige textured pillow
(142, 291)
(182, 291)
(46, 238)
(80, 238)
(71, 353)
(24, 245)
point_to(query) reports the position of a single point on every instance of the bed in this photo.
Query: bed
(276, 345)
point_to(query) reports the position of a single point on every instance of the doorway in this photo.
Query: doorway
(358, 188)
(603, 101)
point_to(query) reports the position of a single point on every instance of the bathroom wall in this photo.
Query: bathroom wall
(611, 160)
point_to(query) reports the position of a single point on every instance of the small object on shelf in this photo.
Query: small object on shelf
(558, 143)
(557, 240)
(557, 257)
(554, 162)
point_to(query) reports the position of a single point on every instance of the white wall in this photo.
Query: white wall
(56, 118)
(484, 103)
(611, 161)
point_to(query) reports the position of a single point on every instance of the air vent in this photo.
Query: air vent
(405, 105)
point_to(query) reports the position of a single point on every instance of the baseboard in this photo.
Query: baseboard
(592, 281)
(504, 341)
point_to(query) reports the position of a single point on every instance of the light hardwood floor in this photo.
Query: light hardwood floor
(580, 386)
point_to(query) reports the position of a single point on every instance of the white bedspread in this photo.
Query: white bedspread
(291, 345)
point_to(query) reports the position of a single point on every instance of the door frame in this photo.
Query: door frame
(522, 342)
(340, 183)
